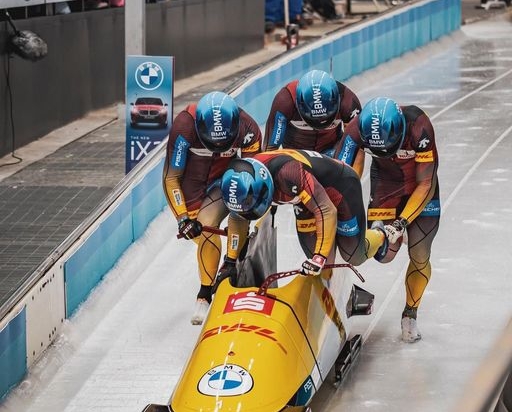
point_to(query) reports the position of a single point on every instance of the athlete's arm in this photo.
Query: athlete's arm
(349, 148)
(426, 178)
(281, 112)
(250, 134)
(238, 229)
(426, 168)
(175, 161)
(350, 105)
(297, 181)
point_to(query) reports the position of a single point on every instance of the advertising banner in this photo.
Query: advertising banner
(149, 103)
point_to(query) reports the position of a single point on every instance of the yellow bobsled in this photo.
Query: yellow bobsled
(269, 348)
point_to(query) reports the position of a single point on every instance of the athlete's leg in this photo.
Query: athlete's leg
(355, 243)
(209, 246)
(420, 233)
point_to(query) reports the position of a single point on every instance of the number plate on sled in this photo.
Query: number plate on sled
(249, 301)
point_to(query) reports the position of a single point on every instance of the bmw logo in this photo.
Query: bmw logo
(226, 380)
(149, 76)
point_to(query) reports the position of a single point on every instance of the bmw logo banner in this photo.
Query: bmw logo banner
(149, 103)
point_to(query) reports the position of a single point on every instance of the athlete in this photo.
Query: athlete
(309, 113)
(327, 199)
(404, 187)
(203, 139)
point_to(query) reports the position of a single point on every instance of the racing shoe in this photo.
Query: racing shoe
(200, 311)
(383, 250)
(410, 332)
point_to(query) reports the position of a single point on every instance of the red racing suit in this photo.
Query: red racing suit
(190, 175)
(286, 128)
(403, 186)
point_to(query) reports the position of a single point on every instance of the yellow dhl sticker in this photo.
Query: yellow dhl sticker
(255, 147)
(381, 214)
(424, 157)
(306, 225)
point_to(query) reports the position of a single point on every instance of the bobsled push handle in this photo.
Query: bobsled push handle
(280, 275)
(210, 229)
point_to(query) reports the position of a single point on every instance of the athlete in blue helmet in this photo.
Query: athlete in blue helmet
(404, 187)
(309, 113)
(247, 188)
(202, 141)
(327, 199)
(217, 121)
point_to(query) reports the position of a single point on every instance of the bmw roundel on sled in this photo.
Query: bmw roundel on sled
(269, 347)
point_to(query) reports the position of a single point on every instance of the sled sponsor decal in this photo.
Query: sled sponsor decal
(305, 393)
(225, 380)
(243, 328)
(249, 301)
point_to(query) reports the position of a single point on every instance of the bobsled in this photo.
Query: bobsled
(269, 348)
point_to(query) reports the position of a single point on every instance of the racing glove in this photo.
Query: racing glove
(396, 230)
(189, 228)
(227, 270)
(314, 265)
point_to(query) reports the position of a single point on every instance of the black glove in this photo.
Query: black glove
(396, 230)
(227, 270)
(189, 228)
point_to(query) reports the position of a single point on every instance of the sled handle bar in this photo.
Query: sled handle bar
(210, 229)
(280, 275)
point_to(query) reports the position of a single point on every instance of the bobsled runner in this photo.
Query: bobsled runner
(269, 347)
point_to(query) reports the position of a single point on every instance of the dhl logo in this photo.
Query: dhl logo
(381, 214)
(308, 225)
(424, 157)
(255, 147)
(241, 327)
(332, 312)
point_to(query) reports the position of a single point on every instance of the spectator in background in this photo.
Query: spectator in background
(95, 4)
(274, 14)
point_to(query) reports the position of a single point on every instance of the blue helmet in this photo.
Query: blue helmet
(217, 121)
(318, 99)
(382, 126)
(247, 188)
